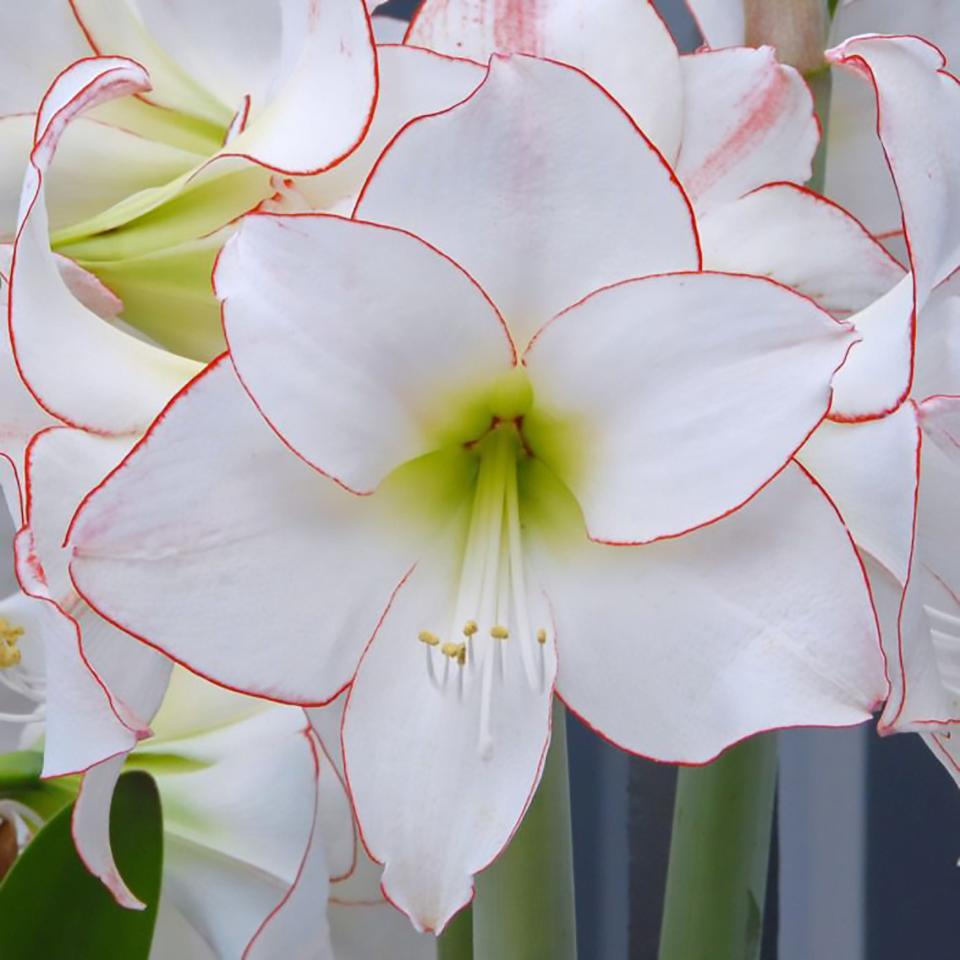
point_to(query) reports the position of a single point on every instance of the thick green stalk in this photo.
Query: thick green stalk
(524, 908)
(719, 855)
(456, 942)
(820, 83)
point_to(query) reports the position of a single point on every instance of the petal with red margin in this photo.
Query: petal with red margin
(666, 402)
(622, 44)
(748, 120)
(679, 649)
(538, 185)
(381, 357)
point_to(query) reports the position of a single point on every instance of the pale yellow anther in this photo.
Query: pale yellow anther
(541, 636)
(470, 628)
(455, 651)
(9, 651)
(430, 639)
(499, 633)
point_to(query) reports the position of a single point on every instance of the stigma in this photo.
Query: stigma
(491, 612)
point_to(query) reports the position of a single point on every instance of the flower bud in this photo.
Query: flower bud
(796, 28)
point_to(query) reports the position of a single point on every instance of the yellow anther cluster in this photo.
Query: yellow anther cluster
(470, 628)
(541, 636)
(9, 651)
(455, 651)
(499, 633)
(430, 639)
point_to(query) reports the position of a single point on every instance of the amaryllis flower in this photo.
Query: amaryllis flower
(460, 458)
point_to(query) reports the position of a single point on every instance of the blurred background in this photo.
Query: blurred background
(864, 863)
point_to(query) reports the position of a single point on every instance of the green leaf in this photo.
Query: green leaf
(52, 907)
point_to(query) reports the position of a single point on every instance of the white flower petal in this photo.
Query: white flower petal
(372, 361)
(540, 187)
(623, 44)
(748, 120)
(679, 649)
(434, 803)
(721, 21)
(666, 402)
(231, 555)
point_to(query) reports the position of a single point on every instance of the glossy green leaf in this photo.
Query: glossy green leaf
(50, 906)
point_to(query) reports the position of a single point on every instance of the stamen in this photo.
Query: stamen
(541, 636)
(499, 633)
(430, 639)
(470, 628)
(455, 651)
(10, 654)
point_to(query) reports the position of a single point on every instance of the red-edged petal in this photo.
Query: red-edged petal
(622, 44)
(676, 650)
(916, 101)
(748, 120)
(217, 545)
(79, 368)
(437, 792)
(666, 402)
(540, 186)
(805, 241)
(369, 363)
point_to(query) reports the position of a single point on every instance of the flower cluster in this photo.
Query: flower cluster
(407, 387)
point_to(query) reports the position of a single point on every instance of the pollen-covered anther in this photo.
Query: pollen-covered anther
(499, 632)
(470, 628)
(455, 651)
(9, 650)
(430, 639)
(541, 636)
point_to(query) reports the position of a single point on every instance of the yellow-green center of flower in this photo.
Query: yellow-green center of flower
(9, 648)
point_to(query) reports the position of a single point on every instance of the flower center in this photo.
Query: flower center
(16, 678)
(491, 607)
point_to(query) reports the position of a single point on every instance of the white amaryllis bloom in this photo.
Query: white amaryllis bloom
(482, 464)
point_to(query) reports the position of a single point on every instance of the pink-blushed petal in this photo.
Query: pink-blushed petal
(91, 829)
(97, 165)
(210, 537)
(623, 44)
(870, 472)
(298, 925)
(937, 367)
(372, 361)
(36, 41)
(83, 725)
(361, 930)
(540, 186)
(676, 650)
(793, 235)
(79, 368)
(721, 21)
(691, 392)
(748, 120)
(925, 669)
(437, 790)
(916, 100)
(413, 83)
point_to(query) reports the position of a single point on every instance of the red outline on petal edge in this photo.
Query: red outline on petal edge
(244, 156)
(672, 175)
(526, 806)
(180, 394)
(843, 324)
(25, 536)
(839, 57)
(280, 218)
(113, 881)
(794, 726)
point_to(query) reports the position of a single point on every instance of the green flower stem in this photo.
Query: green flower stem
(820, 83)
(719, 855)
(524, 908)
(456, 942)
